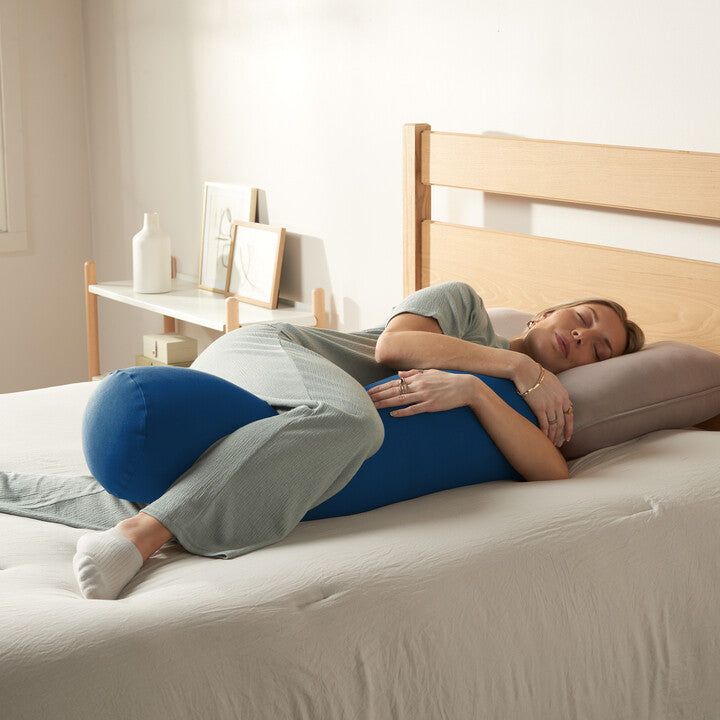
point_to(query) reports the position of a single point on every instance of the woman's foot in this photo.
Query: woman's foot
(106, 561)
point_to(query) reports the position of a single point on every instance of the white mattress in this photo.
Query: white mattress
(594, 597)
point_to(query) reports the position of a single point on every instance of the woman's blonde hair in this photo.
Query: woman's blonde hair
(635, 335)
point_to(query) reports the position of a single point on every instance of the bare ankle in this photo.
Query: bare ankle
(145, 532)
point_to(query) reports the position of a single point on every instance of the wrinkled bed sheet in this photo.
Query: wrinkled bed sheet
(594, 597)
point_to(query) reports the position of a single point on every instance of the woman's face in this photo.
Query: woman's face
(576, 336)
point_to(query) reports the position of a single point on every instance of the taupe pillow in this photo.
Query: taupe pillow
(665, 385)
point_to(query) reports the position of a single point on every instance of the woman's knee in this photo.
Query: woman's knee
(370, 429)
(353, 424)
(377, 431)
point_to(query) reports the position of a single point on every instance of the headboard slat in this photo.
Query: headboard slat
(670, 298)
(416, 206)
(530, 272)
(642, 179)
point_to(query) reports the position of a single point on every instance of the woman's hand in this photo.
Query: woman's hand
(427, 391)
(548, 401)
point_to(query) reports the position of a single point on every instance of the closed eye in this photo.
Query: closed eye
(597, 357)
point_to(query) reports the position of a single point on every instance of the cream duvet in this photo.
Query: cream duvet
(593, 597)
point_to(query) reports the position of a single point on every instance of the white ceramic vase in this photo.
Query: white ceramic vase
(151, 257)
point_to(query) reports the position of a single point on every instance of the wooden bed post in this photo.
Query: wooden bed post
(91, 321)
(416, 205)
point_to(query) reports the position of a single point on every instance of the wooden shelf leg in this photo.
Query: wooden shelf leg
(318, 307)
(232, 314)
(168, 324)
(91, 321)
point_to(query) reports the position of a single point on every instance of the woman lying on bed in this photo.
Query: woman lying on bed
(244, 494)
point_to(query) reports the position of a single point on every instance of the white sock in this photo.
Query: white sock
(104, 563)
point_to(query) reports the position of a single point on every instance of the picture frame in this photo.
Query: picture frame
(256, 255)
(222, 204)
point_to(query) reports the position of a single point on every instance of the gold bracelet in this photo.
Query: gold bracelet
(536, 385)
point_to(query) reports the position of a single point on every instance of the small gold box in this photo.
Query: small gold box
(170, 348)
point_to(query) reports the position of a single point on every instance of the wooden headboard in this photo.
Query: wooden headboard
(670, 298)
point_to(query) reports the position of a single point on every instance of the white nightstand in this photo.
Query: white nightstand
(187, 302)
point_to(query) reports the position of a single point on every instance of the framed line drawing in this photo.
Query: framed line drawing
(256, 256)
(222, 204)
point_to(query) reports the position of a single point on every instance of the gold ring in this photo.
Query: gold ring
(569, 411)
(403, 386)
(552, 422)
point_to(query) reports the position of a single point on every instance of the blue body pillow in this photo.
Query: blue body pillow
(143, 428)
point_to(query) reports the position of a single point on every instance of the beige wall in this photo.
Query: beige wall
(41, 300)
(306, 100)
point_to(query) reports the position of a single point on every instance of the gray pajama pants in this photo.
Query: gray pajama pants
(252, 487)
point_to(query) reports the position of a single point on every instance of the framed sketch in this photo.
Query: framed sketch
(222, 204)
(255, 261)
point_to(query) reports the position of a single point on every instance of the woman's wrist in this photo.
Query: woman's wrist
(477, 391)
(525, 372)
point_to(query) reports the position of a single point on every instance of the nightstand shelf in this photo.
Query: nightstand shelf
(189, 303)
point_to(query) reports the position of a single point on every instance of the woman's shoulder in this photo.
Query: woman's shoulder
(452, 287)
(461, 293)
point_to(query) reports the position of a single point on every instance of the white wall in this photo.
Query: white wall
(42, 311)
(306, 100)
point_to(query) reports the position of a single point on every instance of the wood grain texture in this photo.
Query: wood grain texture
(232, 313)
(91, 321)
(318, 307)
(670, 298)
(675, 182)
(416, 205)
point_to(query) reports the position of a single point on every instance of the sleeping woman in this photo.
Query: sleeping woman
(251, 488)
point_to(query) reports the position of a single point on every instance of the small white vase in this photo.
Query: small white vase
(151, 257)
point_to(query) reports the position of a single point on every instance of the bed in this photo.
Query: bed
(594, 597)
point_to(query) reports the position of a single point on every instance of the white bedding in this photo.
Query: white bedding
(595, 597)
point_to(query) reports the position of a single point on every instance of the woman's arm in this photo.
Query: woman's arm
(406, 349)
(523, 444)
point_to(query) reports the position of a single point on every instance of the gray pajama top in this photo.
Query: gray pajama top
(456, 306)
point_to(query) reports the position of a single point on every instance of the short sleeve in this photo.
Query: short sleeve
(453, 304)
